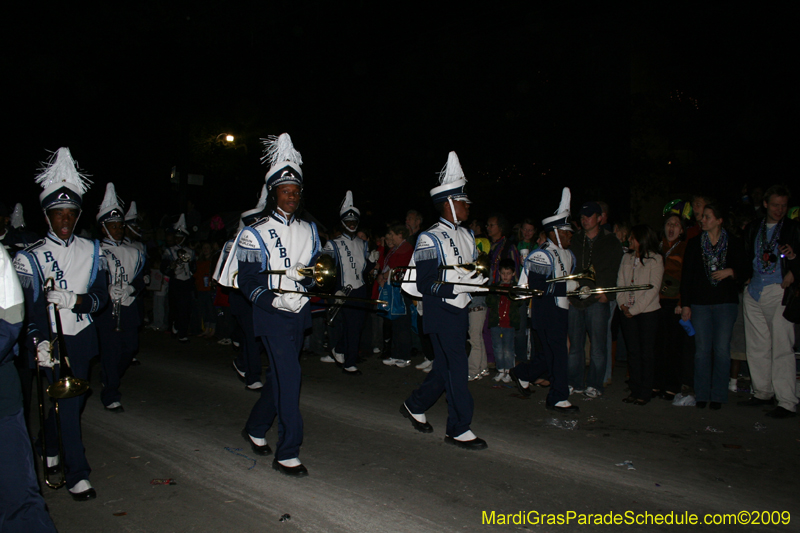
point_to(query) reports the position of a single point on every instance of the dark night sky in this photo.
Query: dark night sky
(531, 99)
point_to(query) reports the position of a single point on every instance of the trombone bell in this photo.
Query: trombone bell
(68, 387)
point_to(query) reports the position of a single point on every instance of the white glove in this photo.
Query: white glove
(43, 354)
(572, 285)
(472, 284)
(290, 302)
(293, 272)
(146, 280)
(339, 293)
(584, 292)
(118, 293)
(63, 299)
(374, 255)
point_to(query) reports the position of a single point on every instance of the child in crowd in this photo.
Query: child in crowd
(504, 317)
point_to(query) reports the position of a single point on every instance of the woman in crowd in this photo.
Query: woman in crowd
(671, 338)
(640, 309)
(712, 270)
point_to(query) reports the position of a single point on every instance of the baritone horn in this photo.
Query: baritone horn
(66, 386)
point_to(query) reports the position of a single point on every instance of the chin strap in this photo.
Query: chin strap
(108, 234)
(453, 211)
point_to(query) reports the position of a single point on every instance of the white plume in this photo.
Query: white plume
(62, 168)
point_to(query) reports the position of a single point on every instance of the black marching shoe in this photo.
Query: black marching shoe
(474, 444)
(291, 471)
(701, 405)
(715, 406)
(525, 391)
(422, 427)
(258, 450)
(756, 402)
(780, 412)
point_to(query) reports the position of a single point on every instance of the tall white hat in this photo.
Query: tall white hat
(131, 217)
(111, 208)
(63, 184)
(561, 219)
(347, 211)
(180, 225)
(251, 215)
(452, 182)
(17, 220)
(284, 161)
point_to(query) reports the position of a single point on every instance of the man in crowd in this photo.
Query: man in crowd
(600, 249)
(772, 242)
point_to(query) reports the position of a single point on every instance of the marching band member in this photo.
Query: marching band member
(446, 243)
(133, 231)
(179, 263)
(248, 362)
(549, 313)
(76, 267)
(353, 259)
(118, 324)
(280, 241)
(22, 508)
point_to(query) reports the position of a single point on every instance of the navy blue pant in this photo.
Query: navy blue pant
(22, 508)
(550, 356)
(116, 348)
(281, 394)
(81, 348)
(180, 304)
(353, 316)
(448, 374)
(249, 359)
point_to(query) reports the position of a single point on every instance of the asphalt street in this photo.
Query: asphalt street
(371, 471)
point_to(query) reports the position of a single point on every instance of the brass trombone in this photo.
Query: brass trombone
(608, 290)
(587, 273)
(67, 386)
(482, 265)
(324, 274)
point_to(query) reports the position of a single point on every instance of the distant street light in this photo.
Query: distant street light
(229, 138)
